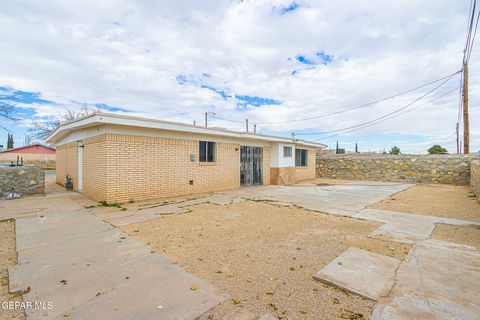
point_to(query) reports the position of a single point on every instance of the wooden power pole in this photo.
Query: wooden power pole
(206, 119)
(466, 131)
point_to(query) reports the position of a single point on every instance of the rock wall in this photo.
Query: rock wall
(475, 177)
(24, 180)
(448, 169)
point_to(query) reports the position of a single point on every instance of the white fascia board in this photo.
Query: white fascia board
(101, 118)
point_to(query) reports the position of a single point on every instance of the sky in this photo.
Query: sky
(272, 62)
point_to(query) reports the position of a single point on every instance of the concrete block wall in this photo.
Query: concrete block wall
(475, 177)
(448, 169)
(24, 180)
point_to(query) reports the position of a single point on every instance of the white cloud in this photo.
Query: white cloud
(129, 53)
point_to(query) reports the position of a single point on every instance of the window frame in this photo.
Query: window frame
(301, 159)
(290, 154)
(209, 146)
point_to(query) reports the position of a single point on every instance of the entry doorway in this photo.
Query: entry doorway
(251, 168)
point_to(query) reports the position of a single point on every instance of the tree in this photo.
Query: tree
(336, 148)
(436, 149)
(356, 147)
(10, 141)
(7, 108)
(42, 129)
(395, 150)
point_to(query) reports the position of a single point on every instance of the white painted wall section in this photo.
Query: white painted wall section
(278, 160)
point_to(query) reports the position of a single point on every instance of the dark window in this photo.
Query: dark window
(287, 152)
(207, 151)
(300, 157)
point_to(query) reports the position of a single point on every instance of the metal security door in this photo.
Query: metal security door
(251, 169)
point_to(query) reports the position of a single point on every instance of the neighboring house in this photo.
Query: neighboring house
(118, 158)
(34, 152)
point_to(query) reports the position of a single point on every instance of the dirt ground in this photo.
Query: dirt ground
(456, 202)
(263, 256)
(8, 257)
(469, 235)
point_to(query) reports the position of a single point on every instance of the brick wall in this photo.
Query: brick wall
(66, 163)
(266, 165)
(308, 172)
(289, 175)
(284, 175)
(141, 168)
(96, 158)
(12, 156)
(475, 177)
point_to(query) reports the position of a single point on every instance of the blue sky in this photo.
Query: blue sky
(273, 62)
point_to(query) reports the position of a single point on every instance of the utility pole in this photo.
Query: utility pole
(466, 131)
(246, 124)
(458, 142)
(206, 119)
(194, 123)
(254, 128)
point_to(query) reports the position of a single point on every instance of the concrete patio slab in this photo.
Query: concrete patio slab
(344, 199)
(89, 270)
(438, 280)
(362, 272)
(404, 227)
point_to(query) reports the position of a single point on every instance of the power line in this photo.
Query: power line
(348, 109)
(386, 119)
(473, 38)
(386, 115)
(468, 37)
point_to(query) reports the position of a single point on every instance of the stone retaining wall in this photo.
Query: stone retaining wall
(475, 177)
(449, 169)
(24, 180)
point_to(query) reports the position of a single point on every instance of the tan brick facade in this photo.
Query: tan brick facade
(120, 168)
(308, 172)
(289, 175)
(66, 163)
(285, 175)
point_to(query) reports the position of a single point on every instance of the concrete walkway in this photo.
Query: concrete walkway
(438, 280)
(89, 270)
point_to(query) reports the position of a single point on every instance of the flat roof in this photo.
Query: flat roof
(99, 118)
(28, 147)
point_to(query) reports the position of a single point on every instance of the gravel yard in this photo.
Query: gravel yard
(263, 256)
(456, 202)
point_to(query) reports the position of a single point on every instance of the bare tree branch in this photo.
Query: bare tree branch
(7, 107)
(42, 129)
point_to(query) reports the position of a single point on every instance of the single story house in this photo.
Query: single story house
(117, 158)
(33, 152)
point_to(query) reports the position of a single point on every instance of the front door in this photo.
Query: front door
(251, 169)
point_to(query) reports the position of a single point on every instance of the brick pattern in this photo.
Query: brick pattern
(95, 167)
(120, 168)
(289, 175)
(308, 172)
(12, 156)
(67, 163)
(266, 165)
